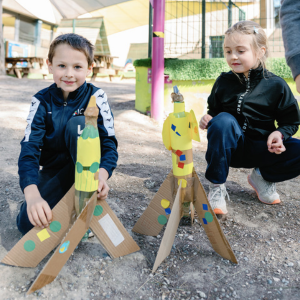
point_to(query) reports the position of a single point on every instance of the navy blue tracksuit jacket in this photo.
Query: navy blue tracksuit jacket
(44, 141)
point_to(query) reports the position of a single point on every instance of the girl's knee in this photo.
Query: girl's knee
(222, 122)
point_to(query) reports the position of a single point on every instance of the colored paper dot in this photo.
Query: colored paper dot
(182, 157)
(204, 221)
(205, 206)
(183, 182)
(179, 153)
(94, 167)
(180, 165)
(55, 226)
(196, 130)
(79, 167)
(168, 211)
(98, 210)
(178, 133)
(165, 203)
(29, 245)
(64, 247)
(208, 216)
(173, 127)
(162, 219)
(43, 235)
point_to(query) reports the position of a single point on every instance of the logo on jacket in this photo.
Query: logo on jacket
(78, 112)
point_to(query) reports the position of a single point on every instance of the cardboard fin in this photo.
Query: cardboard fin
(170, 232)
(210, 223)
(37, 243)
(110, 231)
(68, 245)
(148, 223)
(195, 129)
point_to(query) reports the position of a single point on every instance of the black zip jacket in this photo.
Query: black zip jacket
(256, 102)
(44, 140)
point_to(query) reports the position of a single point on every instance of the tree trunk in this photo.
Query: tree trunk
(2, 59)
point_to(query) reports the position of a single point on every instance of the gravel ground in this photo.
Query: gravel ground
(264, 238)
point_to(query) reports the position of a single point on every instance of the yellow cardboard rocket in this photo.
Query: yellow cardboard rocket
(182, 190)
(77, 211)
(87, 166)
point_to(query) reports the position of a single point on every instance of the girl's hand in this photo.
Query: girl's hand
(204, 121)
(275, 143)
(103, 188)
(38, 210)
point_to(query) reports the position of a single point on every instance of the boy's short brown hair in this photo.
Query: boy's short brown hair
(77, 42)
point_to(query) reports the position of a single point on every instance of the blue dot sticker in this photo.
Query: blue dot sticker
(173, 127)
(205, 206)
(178, 133)
(204, 221)
(167, 211)
(182, 157)
(64, 247)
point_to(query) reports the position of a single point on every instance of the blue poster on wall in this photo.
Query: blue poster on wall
(18, 50)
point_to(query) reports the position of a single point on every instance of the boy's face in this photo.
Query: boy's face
(69, 68)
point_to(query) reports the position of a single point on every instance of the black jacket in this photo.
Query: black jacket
(256, 102)
(44, 142)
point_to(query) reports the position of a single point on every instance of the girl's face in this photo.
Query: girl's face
(239, 53)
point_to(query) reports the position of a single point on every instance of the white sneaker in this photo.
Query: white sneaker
(265, 190)
(216, 198)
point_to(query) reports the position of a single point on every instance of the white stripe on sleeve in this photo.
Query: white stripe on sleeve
(33, 109)
(108, 120)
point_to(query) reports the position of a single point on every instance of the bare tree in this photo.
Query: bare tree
(2, 59)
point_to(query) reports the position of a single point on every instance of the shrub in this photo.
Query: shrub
(208, 68)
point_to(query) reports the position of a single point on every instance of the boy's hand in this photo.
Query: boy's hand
(204, 121)
(275, 143)
(38, 210)
(102, 185)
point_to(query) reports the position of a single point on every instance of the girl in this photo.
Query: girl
(242, 109)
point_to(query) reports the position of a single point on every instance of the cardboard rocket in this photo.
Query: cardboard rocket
(182, 190)
(75, 213)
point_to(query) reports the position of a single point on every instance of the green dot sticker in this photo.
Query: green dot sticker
(79, 167)
(29, 245)
(209, 217)
(162, 219)
(98, 210)
(55, 226)
(94, 167)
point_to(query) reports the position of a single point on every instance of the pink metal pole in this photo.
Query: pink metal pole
(157, 96)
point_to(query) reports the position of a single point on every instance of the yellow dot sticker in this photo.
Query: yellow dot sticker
(43, 235)
(183, 182)
(165, 203)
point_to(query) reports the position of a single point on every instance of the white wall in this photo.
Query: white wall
(119, 43)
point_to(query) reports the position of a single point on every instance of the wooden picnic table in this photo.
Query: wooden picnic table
(14, 69)
(103, 66)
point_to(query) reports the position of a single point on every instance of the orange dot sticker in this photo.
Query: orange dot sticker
(196, 129)
(165, 203)
(183, 182)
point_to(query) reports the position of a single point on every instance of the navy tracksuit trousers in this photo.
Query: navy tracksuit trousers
(55, 183)
(229, 147)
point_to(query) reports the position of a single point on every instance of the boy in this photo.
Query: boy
(54, 123)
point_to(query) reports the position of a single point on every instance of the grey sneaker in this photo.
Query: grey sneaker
(216, 198)
(265, 190)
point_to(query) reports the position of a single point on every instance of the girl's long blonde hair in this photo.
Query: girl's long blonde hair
(259, 39)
